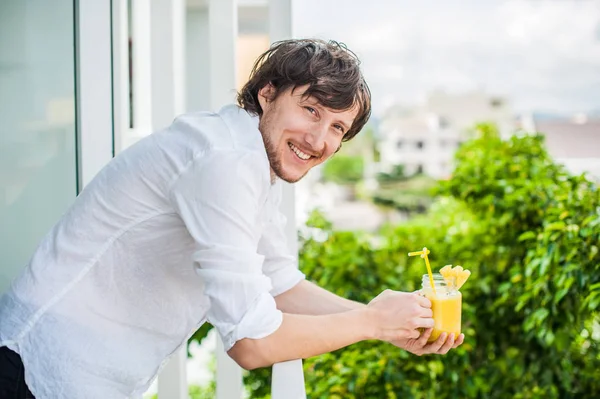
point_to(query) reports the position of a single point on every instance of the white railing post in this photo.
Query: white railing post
(222, 32)
(288, 380)
(120, 67)
(172, 381)
(141, 66)
(229, 375)
(167, 57)
(280, 20)
(198, 75)
(167, 54)
(93, 85)
(288, 377)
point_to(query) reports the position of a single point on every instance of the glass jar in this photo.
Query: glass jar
(446, 304)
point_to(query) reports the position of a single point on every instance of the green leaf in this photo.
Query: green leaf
(528, 235)
(560, 294)
(555, 226)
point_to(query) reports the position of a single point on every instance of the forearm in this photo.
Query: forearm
(303, 336)
(309, 299)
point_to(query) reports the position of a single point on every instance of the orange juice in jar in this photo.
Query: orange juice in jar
(446, 304)
(442, 289)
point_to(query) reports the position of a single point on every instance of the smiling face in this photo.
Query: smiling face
(299, 133)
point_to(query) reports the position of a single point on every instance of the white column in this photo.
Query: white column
(120, 53)
(280, 20)
(167, 79)
(229, 375)
(172, 381)
(197, 68)
(288, 380)
(94, 87)
(167, 54)
(288, 377)
(222, 32)
(280, 28)
(222, 28)
(141, 60)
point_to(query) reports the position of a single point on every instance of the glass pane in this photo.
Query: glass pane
(37, 129)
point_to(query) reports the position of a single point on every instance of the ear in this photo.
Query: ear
(266, 95)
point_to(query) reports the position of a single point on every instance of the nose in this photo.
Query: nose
(316, 138)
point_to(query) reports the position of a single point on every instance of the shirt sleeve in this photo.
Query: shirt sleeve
(280, 265)
(220, 197)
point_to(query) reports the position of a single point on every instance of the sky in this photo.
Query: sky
(541, 55)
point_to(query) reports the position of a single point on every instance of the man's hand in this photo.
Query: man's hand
(393, 316)
(399, 315)
(419, 346)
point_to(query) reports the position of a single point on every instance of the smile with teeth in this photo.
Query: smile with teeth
(299, 153)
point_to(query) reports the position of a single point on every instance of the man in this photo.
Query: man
(183, 228)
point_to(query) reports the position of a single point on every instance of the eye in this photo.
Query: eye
(339, 127)
(311, 110)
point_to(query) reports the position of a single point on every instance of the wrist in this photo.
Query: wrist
(366, 321)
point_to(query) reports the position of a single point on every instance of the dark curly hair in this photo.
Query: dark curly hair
(330, 70)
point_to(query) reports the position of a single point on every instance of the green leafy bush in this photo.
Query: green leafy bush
(396, 174)
(344, 169)
(530, 234)
(411, 195)
(198, 392)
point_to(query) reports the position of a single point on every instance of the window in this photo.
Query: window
(37, 140)
(496, 102)
(420, 144)
(444, 122)
(399, 144)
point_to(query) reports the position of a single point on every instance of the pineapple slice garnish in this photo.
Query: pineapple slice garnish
(460, 275)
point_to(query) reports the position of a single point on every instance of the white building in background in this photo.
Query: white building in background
(425, 138)
(574, 143)
(82, 80)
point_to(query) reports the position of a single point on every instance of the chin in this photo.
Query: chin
(291, 176)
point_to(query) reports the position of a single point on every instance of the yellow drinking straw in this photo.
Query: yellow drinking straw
(423, 254)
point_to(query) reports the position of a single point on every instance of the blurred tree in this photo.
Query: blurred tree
(344, 169)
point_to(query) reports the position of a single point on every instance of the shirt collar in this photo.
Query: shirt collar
(244, 126)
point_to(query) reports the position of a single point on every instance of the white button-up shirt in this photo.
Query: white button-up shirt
(179, 229)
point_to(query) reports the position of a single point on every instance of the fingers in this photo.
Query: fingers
(423, 301)
(447, 345)
(436, 345)
(440, 346)
(424, 322)
(422, 341)
(412, 334)
(459, 341)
